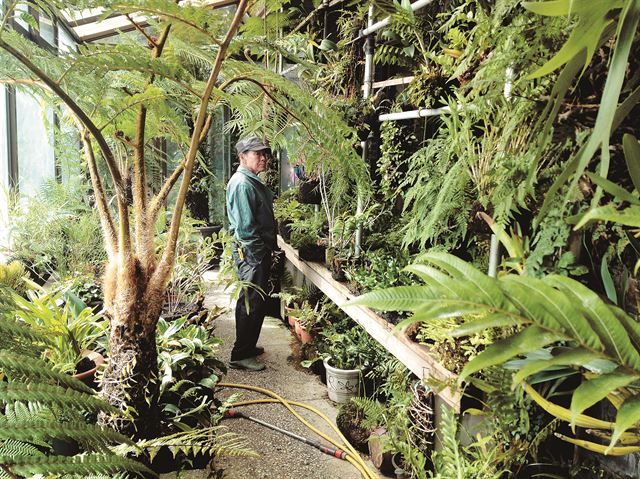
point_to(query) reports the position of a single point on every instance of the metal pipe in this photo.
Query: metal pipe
(374, 27)
(409, 115)
(494, 256)
(494, 251)
(339, 453)
(366, 93)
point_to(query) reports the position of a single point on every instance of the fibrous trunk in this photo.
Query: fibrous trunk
(130, 381)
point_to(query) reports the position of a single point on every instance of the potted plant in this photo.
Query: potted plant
(305, 238)
(74, 327)
(287, 210)
(309, 320)
(347, 356)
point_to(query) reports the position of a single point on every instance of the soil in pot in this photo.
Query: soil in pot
(314, 253)
(348, 421)
(87, 367)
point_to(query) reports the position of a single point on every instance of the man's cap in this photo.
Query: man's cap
(251, 143)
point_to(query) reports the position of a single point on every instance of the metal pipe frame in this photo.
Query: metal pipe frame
(374, 27)
(413, 114)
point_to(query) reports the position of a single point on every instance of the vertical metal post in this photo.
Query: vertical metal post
(494, 251)
(493, 256)
(367, 87)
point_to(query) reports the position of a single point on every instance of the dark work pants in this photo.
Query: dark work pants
(249, 320)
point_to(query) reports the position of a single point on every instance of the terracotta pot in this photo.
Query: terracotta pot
(303, 334)
(291, 319)
(94, 356)
(379, 457)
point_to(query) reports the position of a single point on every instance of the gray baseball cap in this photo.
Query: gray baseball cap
(251, 143)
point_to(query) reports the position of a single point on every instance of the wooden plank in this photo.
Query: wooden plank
(392, 82)
(414, 356)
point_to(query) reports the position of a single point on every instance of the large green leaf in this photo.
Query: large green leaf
(610, 115)
(571, 357)
(593, 391)
(429, 274)
(632, 157)
(607, 281)
(599, 138)
(628, 416)
(491, 320)
(629, 216)
(614, 190)
(560, 8)
(400, 298)
(593, 19)
(606, 325)
(525, 341)
(630, 325)
(549, 308)
(447, 308)
(460, 269)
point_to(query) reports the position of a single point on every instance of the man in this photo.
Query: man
(250, 211)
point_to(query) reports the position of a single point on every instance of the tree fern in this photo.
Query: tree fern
(75, 466)
(208, 441)
(558, 313)
(96, 436)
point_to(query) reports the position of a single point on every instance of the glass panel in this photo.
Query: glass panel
(65, 40)
(4, 167)
(46, 29)
(68, 151)
(35, 143)
(22, 8)
(4, 145)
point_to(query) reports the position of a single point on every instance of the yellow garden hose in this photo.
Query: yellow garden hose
(352, 457)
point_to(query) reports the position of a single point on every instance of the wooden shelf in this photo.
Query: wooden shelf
(414, 356)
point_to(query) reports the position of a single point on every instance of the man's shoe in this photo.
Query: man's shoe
(258, 350)
(250, 364)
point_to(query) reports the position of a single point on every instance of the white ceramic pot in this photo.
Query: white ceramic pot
(342, 384)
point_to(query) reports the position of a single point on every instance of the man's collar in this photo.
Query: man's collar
(248, 173)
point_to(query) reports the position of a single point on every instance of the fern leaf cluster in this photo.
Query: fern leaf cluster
(79, 465)
(208, 441)
(561, 320)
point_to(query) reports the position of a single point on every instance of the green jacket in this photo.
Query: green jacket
(250, 211)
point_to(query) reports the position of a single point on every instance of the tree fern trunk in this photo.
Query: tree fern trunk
(130, 381)
(131, 378)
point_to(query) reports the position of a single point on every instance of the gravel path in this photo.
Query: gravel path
(280, 456)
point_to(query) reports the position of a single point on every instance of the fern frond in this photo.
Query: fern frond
(11, 448)
(50, 394)
(16, 330)
(33, 369)
(97, 436)
(83, 464)
(209, 441)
